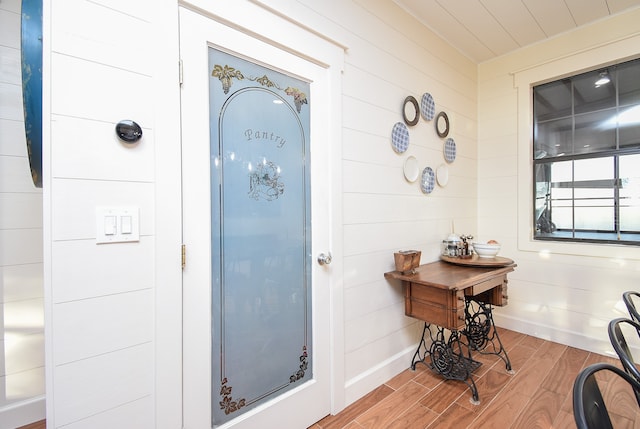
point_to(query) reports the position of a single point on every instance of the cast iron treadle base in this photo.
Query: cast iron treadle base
(481, 333)
(447, 357)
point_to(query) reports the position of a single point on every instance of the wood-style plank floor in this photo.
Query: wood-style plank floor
(537, 395)
(42, 424)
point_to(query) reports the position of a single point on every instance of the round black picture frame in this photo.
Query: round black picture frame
(442, 118)
(412, 100)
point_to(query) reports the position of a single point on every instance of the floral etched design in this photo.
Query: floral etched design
(303, 366)
(226, 74)
(264, 182)
(299, 97)
(228, 404)
(265, 81)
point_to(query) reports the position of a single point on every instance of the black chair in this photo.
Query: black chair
(589, 409)
(629, 298)
(620, 345)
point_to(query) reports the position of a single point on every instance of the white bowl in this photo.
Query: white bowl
(485, 250)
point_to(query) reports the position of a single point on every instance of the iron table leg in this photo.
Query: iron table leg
(447, 357)
(481, 332)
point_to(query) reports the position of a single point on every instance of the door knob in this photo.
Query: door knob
(324, 259)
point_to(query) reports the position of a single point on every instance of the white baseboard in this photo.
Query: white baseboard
(22, 413)
(367, 381)
(552, 333)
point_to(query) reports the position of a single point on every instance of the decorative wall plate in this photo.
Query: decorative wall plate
(442, 175)
(400, 137)
(450, 150)
(411, 169)
(428, 180)
(410, 111)
(427, 106)
(442, 125)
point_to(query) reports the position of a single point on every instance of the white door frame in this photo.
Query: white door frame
(297, 41)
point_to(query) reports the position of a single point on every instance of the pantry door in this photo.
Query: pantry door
(256, 299)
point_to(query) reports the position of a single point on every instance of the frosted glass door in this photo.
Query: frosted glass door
(260, 234)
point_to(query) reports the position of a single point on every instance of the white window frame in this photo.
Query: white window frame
(619, 51)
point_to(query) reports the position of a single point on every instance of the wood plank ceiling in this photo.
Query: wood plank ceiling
(485, 29)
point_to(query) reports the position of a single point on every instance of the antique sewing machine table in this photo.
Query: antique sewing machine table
(454, 298)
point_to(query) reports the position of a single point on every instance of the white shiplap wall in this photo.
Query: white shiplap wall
(105, 302)
(389, 57)
(102, 71)
(106, 307)
(21, 290)
(563, 293)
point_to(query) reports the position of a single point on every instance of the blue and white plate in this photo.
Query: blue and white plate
(450, 150)
(400, 137)
(428, 181)
(427, 106)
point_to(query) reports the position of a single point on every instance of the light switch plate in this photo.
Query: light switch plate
(110, 227)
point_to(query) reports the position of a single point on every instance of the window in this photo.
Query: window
(586, 156)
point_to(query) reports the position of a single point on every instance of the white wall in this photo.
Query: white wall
(104, 303)
(566, 293)
(389, 57)
(21, 291)
(114, 310)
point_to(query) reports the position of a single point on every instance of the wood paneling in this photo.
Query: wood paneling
(21, 247)
(486, 29)
(92, 386)
(557, 292)
(390, 56)
(74, 208)
(102, 70)
(129, 268)
(112, 322)
(102, 156)
(12, 138)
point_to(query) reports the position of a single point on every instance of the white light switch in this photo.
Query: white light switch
(110, 225)
(117, 224)
(125, 224)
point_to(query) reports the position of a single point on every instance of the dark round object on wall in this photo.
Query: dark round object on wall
(128, 131)
(416, 111)
(442, 124)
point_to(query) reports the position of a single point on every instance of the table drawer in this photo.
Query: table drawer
(485, 285)
(441, 307)
(493, 291)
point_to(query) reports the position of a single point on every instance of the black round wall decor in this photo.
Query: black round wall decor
(442, 124)
(416, 111)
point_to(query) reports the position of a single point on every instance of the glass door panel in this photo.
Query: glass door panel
(260, 234)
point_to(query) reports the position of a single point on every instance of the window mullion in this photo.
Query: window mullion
(573, 151)
(616, 167)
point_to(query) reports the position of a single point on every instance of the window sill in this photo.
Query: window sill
(553, 245)
(590, 237)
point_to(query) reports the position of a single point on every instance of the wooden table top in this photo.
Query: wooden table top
(445, 275)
